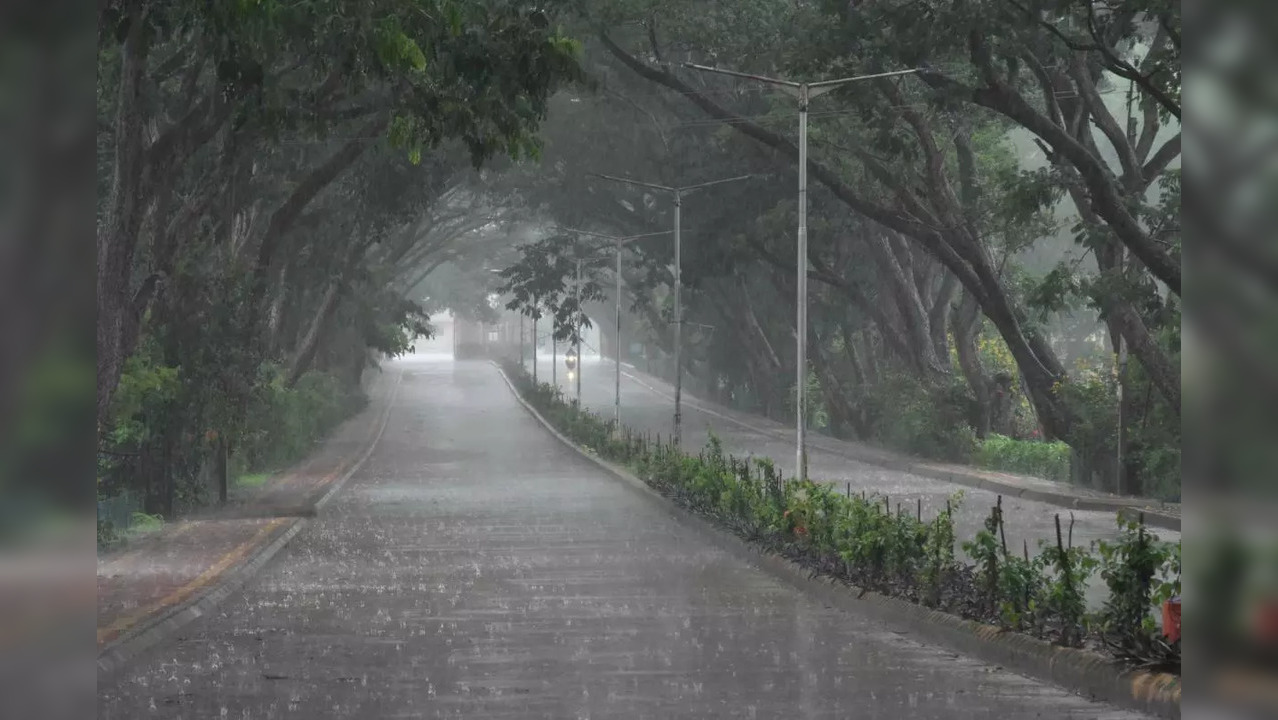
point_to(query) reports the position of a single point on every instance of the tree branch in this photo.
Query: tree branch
(1105, 120)
(771, 139)
(1169, 151)
(303, 193)
(1103, 190)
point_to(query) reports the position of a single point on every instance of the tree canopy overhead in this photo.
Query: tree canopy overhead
(276, 176)
(1026, 123)
(287, 187)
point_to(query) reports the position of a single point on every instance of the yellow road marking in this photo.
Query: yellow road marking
(120, 625)
(200, 581)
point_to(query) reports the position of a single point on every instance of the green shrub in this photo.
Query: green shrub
(939, 565)
(252, 480)
(1062, 595)
(1130, 567)
(284, 423)
(145, 387)
(923, 421)
(143, 524)
(1028, 457)
(1020, 588)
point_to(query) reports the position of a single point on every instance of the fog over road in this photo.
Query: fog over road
(475, 567)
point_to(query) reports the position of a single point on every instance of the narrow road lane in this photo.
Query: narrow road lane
(477, 568)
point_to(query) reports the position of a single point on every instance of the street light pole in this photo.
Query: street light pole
(677, 193)
(801, 300)
(577, 334)
(678, 318)
(616, 403)
(618, 244)
(804, 92)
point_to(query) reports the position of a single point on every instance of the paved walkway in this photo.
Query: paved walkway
(144, 581)
(475, 567)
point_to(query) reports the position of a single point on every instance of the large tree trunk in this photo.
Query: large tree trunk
(842, 415)
(310, 343)
(939, 314)
(762, 363)
(305, 353)
(1104, 190)
(993, 394)
(1057, 419)
(139, 170)
(304, 192)
(910, 308)
(893, 336)
(965, 325)
(118, 237)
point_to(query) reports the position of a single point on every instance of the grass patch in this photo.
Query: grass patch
(140, 525)
(1048, 460)
(252, 480)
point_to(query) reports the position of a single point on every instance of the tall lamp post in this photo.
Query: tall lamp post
(677, 194)
(618, 242)
(577, 331)
(804, 91)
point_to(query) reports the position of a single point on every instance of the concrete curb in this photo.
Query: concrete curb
(1123, 506)
(147, 633)
(1084, 672)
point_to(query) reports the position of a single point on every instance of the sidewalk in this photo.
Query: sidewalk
(1157, 513)
(149, 582)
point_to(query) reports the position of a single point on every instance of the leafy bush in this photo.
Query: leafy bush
(1063, 591)
(284, 423)
(145, 387)
(861, 539)
(1020, 589)
(1131, 567)
(939, 565)
(143, 523)
(1029, 457)
(929, 422)
(137, 524)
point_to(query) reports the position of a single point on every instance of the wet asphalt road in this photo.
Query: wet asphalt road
(476, 568)
(1026, 522)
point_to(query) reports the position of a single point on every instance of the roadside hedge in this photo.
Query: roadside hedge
(865, 541)
(1028, 457)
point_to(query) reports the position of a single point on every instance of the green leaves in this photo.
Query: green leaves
(1058, 290)
(455, 20)
(1031, 457)
(395, 48)
(145, 386)
(545, 280)
(1130, 567)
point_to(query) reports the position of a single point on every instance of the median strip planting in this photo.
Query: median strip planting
(867, 542)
